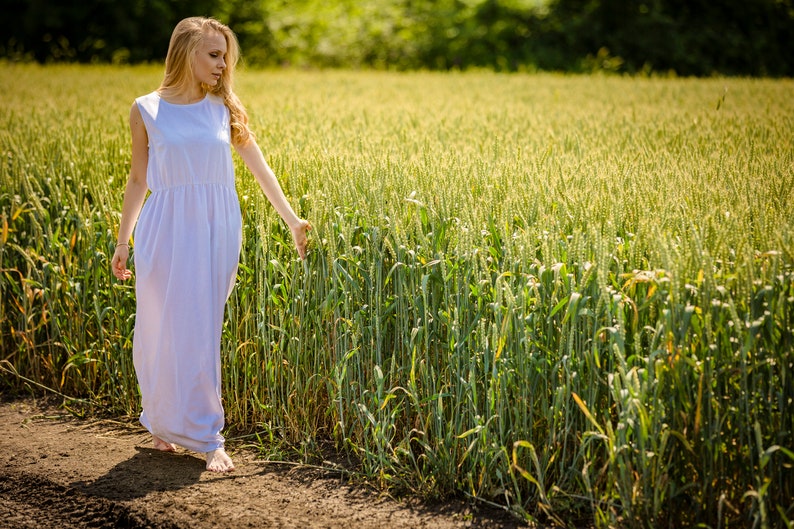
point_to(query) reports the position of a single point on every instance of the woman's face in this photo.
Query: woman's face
(210, 59)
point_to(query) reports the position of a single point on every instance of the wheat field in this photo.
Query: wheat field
(569, 295)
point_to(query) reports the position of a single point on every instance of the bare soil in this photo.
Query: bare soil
(59, 471)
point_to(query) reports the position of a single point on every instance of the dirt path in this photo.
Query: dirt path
(57, 471)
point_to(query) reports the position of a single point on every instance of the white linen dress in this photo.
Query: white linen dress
(187, 248)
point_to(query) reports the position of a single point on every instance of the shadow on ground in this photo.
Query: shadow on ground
(149, 470)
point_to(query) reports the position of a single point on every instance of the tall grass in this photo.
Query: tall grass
(569, 295)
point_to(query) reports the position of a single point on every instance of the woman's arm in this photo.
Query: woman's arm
(255, 160)
(134, 194)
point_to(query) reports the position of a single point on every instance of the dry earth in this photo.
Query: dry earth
(62, 472)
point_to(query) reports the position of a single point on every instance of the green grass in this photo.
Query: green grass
(569, 295)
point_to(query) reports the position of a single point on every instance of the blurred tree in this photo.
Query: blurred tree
(692, 37)
(93, 30)
(248, 19)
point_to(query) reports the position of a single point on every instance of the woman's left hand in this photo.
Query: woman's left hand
(299, 235)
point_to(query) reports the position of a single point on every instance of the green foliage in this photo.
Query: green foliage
(94, 31)
(570, 295)
(689, 38)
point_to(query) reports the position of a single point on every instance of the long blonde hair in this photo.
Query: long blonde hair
(185, 40)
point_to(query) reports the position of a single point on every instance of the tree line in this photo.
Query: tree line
(688, 37)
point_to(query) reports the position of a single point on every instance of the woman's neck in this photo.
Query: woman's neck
(184, 95)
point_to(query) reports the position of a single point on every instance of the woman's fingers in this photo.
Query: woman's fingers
(299, 235)
(119, 266)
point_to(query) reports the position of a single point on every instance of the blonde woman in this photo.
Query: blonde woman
(188, 236)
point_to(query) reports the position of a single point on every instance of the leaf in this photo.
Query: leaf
(583, 407)
(680, 437)
(558, 307)
(467, 433)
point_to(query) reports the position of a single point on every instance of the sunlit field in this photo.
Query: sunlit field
(571, 296)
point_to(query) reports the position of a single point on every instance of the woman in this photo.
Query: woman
(188, 236)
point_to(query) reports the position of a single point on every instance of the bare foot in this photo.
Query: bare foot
(219, 461)
(161, 445)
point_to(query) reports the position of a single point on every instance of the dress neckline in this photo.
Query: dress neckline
(206, 95)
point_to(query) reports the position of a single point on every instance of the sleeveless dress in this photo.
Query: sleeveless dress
(187, 247)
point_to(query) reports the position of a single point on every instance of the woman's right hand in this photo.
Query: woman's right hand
(119, 262)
